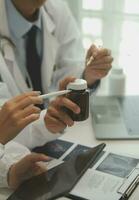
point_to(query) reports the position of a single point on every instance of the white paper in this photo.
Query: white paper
(95, 185)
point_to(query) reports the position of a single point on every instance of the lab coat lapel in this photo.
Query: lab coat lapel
(4, 70)
(7, 77)
(20, 82)
(50, 46)
(16, 82)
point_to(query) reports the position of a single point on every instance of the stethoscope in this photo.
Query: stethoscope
(5, 41)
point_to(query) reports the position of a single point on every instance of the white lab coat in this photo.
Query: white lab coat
(62, 51)
(13, 152)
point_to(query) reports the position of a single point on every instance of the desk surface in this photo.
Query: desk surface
(82, 132)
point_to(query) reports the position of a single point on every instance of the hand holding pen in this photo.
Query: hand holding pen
(92, 54)
(98, 64)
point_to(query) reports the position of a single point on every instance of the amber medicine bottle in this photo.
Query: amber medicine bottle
(79, 95)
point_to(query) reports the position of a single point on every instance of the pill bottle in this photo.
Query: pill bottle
(117, 80)
(79, 95)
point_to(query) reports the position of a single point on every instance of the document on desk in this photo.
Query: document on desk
(96, 186)
(110, 178)
(58, 181)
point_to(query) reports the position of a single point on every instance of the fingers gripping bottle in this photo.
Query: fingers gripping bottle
(79, 95)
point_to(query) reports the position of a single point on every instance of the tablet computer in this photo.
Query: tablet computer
(59, 180)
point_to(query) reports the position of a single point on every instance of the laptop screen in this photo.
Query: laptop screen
(113, 113)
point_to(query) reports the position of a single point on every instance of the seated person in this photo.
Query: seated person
(16, 162)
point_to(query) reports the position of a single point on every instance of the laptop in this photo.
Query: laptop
(115, 117)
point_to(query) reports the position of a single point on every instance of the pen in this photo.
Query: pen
(92, 57)
(54, 94)
(90, 60)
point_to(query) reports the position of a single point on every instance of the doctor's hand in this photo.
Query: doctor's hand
(31, 165)
(17, 113)
(56, 120)
(98, 64)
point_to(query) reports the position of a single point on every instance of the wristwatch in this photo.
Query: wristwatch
(1, 150)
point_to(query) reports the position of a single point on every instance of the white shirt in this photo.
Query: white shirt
(13, 152)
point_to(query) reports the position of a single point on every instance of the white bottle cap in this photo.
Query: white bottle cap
(78, 84)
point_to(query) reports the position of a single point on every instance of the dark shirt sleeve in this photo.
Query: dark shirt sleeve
(92, 88)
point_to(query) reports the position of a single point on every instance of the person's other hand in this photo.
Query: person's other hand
(26, 168)
(56, 120)
(99, 66)
(17, 113)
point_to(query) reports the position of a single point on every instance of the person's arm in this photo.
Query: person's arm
(17, 113)
(18, 164)
(32, 135)
(15, 163)
(26, 168)
(98, 64)
(51, 122)
(12, 153)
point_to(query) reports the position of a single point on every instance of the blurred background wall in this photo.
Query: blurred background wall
(115, 25)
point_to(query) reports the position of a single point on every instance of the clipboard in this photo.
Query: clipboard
(129, 185)
(126, 189)
(59, 180)
(117, 190)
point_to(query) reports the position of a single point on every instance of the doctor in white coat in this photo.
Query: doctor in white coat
(62, 55)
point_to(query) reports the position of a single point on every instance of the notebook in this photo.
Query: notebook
(59, 180)
(109, 176)
(115, 117)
